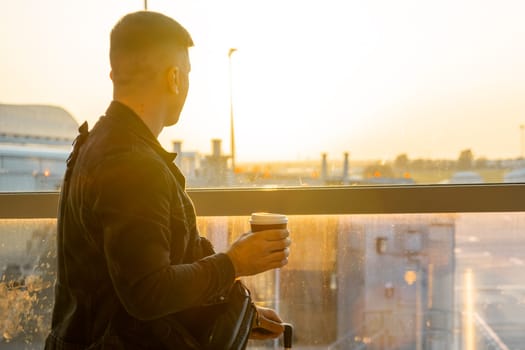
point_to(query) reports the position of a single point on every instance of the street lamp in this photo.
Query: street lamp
(232, 134)
(522, 127)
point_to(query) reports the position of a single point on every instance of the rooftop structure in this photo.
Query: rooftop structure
(36, 124)
(35, 141)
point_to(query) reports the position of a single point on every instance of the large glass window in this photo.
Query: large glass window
(28, 271)
(411, 281)
(317, 92)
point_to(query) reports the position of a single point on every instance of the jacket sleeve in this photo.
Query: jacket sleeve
(204, 248)
(133, 200)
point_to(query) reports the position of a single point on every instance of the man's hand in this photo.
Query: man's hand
(253, 253)
(268, 324)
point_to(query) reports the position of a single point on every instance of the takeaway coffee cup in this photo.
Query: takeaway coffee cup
(267, 221)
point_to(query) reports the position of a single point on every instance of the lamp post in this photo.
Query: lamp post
(522, 141)
(145, 5)
(232, 134)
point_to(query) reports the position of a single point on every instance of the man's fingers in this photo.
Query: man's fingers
(278, 255)
(256, 252)
(274, 246)
(270, 325)
(273, 235)
(275, 264)
(269, 314)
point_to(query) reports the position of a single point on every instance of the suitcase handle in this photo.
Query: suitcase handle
(288, 335)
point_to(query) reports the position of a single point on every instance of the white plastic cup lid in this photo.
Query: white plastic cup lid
(263, 218)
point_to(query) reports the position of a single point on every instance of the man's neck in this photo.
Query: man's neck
(150, 113)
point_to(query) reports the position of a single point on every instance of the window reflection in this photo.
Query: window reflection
(410, 281)
(28, 270)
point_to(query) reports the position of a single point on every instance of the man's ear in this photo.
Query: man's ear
(174, 79)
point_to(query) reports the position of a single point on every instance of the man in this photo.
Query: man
(131, 264)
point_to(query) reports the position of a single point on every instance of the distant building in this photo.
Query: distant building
(215, 166)
(515, 176)
(35, 141)
(465, 177)
(204, 170)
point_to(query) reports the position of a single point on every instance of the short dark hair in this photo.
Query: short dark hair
(139, 33)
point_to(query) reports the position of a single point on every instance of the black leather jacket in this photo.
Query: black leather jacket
(131, 263)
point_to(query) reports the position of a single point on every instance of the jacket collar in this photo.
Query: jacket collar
(125, 116)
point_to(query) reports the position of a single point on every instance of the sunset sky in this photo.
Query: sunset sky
(373, 78)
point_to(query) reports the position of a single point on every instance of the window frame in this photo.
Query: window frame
(313, 200)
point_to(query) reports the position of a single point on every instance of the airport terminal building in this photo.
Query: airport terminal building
(35, 141)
